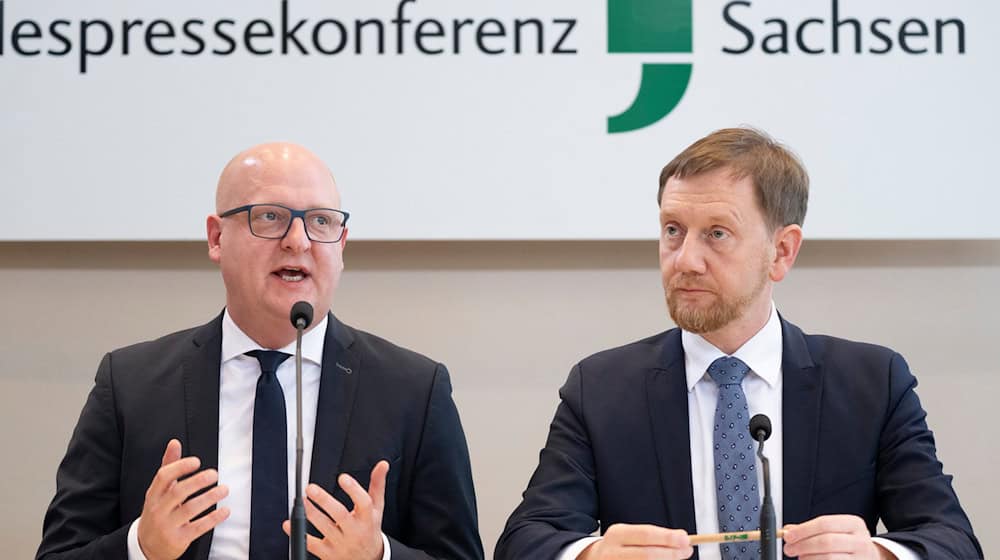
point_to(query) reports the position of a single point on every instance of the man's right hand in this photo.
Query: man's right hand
(167, 526)
(626, 542)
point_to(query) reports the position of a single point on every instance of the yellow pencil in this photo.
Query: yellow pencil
(730, 537)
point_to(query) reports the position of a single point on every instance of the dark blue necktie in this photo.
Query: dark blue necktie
(735, 465)
(269, 485)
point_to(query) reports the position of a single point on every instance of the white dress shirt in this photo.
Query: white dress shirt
(762, 386)
(237, 390)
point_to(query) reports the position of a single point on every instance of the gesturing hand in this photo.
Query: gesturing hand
(355, 534)
(626, 542)
(167, 525)
(833, 536)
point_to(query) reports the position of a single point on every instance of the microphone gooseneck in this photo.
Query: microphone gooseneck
(760, 430)
(301, 317)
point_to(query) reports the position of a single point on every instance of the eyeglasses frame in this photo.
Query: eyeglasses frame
(295, 214)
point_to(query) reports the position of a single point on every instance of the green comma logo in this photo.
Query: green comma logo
(651, 26)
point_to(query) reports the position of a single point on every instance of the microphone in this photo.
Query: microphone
(760, 430)
(760, 427)
(301, 317)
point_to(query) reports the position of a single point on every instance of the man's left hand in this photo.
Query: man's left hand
(355, 534)
(833, 536)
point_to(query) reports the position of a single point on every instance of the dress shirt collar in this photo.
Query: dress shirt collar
(762, 353)
(235, 342)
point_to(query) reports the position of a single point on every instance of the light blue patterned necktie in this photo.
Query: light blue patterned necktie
(735, 465)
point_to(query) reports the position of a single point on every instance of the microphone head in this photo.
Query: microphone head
(760, 427)
(302, 315)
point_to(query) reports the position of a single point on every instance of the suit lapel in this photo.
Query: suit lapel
(337, 389)
(801, 397)
(201, 406)
(666, 392)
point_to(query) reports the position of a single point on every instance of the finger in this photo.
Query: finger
(828, 543)
(199, 527)
(661, 552)
(317, 547)
(168, 474)
(648, 535)
(322, 521)
(184, 489)
(197, 505)
(376, 489)
(651, 552)
(329, 504)
(825, 557)
(171, 453)
(824, 524)
(358, 495)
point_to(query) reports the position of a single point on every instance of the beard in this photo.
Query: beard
(720, 312)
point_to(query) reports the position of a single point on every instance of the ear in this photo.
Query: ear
(787, 242)
(343, 239)
(213, 228)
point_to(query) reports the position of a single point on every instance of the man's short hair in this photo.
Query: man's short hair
(779, 178)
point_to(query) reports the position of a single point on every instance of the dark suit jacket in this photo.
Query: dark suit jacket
(376, 401)
(855, 442)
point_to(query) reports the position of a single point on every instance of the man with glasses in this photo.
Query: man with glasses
(185, 447)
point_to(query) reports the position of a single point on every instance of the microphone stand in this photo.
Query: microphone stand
(768, 544)
(298, 517)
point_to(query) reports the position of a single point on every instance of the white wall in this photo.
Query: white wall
(494, 131)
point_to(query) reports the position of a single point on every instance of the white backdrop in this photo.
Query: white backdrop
(480, 146)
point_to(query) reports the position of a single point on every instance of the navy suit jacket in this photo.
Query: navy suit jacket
(376, 401)
(855, 442)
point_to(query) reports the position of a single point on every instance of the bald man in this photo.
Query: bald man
(185, 447)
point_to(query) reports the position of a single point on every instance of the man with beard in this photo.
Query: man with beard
(650, 442)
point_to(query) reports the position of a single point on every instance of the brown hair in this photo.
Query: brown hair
(779, 178)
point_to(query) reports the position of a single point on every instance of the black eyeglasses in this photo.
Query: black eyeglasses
(272, 221)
